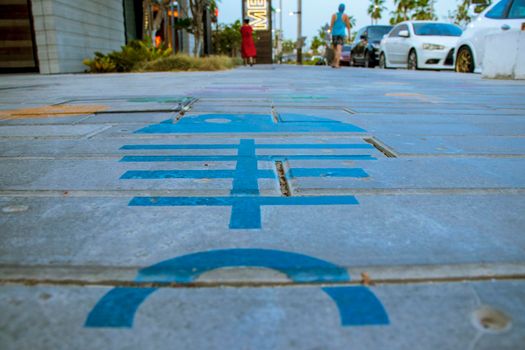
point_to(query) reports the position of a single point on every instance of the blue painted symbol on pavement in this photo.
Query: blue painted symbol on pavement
(244, 198)
(249, 123)
(357, 305)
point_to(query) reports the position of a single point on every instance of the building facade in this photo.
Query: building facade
(55, 36)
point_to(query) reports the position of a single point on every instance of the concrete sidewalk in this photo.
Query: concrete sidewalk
(269, 208)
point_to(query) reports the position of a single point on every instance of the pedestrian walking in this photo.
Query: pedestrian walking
(248, 49)
(339, 23)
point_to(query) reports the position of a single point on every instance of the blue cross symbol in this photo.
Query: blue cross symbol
(244, 198)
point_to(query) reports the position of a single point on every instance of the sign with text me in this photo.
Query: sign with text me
(257, 12)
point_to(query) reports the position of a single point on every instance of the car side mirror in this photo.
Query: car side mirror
(404, 34)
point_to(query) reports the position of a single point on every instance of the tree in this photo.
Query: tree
(413, 10)
(424, 10)
(288, 46)
(227, 39)
(197, 12)
(461, 16)
(402, 11)
(375, 9)
(316, 43)
(352, 21)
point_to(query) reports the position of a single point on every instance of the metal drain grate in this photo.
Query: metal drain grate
(283, 182)
(381, 147)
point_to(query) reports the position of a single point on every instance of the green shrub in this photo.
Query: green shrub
(100, 64)
(128, 58)
(181, 62)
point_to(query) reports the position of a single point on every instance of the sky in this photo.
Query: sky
(318, 12)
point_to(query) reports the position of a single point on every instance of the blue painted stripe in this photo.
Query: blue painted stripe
(168, 147)
(316, 146)
(229, 201)
(190, 174)
(327, 172)
(316, 157)
(246, 214)
(245, 180)
(358, 306)
(258, 146)
(141, 159)
(117, 308)
(298, 267)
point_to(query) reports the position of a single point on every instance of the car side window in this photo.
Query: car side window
(403, 27)
(358, 36)
(517, 9)
(394, 33)
(498, 11)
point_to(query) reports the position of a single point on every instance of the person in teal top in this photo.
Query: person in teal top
(340, 22)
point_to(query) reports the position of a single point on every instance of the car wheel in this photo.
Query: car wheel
(412, 60)
(464, 61)
(382, 61)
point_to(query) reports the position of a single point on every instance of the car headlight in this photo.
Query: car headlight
(433, 47)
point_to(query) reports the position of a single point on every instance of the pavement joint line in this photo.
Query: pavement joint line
(297, 192)
(459, 156)
(349, 111)
(249, 284)
(96, 132)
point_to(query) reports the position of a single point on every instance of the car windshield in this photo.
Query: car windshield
(377, 33)
(438, 29)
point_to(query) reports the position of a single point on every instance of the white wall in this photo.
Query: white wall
(505, 56)
(67, 31)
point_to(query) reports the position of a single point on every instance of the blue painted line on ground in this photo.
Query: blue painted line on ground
(298, 267)
(357, 305)
(245, 180)
(316, 146)
(246, 211)
(189, 174)
(258, 146)
(174, 147)
(327, 172)
(249, 123)
(117, 308)
(229, 201)
(142, 159)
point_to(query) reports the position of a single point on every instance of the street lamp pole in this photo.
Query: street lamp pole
(172, 24)
(299, 34)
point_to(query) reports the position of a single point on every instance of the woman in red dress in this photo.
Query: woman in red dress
(248, 47)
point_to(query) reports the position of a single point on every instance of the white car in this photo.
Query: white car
(420, 45)
(502, 16)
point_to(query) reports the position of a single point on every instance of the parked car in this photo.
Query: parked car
(502, 16)
(345, 55)
(365, 49)
(420, 45)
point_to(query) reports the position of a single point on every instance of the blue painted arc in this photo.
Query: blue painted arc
(356, 305)
(299, 268)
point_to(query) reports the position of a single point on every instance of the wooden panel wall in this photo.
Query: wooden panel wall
(16, 37)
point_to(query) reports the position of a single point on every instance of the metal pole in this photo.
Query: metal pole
(172, 22)
(299, 34)
(280, 43)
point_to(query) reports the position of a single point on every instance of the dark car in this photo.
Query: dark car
(365, 49)
(345, 55)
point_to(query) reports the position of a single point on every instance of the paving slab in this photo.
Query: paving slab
(268, 318)
(285, 207)
(381, 230)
